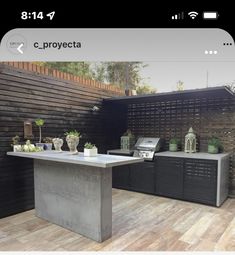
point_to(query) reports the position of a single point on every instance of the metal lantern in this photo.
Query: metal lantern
(190, 141)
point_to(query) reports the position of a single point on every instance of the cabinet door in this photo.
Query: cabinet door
(200, 180)
(169, 176)
(142, 177)
(121, 177)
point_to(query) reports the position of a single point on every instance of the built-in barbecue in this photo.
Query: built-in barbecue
(146, 147)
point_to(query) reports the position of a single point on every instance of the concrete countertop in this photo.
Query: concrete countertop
(196, 155)
(102, 160)
(121, 152)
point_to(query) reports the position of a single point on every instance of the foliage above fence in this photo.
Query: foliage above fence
(28, 66)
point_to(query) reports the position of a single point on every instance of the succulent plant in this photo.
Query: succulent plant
(89, 146)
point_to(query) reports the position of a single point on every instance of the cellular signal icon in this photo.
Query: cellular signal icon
(178, 16)
(193, 15)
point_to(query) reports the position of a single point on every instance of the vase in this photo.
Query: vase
(48, 146)
(173, 147)
(72, 142)
(212, 149)
(58, 143)
(90, 152)
(17, 148)
(40, 145)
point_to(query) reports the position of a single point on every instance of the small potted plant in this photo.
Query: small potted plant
(48, 143)
(28, 147)
(174, 144)
(58, 143)
(15, 143)
(214, 145)
(90, 150)
(40, 123)
(72, 139)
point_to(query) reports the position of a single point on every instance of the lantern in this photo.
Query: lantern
(190, 141)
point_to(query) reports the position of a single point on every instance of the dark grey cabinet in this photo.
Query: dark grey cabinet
(142, 177)
(169, 176)
(199, 177)
(200, 180)
(121, 177)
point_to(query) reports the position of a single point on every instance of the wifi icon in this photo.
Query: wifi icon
(193, 15)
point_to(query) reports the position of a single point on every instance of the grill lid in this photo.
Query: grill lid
(147, 143)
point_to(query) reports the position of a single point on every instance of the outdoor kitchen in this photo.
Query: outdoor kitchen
(192, 171)
(136, 166)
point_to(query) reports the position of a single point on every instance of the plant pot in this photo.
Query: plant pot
(90, 152)
(40, 145)
(58, 143)
(48, 146)
(173, 147)
(17, 148)
(212, 149)
(72, 142)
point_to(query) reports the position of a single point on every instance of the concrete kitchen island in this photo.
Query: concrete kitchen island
(74, 191)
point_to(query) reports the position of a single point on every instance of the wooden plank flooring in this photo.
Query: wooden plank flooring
(140, 223)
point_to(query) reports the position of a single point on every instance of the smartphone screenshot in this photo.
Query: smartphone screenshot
(117, 139)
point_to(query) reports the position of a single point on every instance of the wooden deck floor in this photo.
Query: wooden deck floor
(140, 223)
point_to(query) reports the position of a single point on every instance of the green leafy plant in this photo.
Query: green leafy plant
(215, 141)
(47, 140)
(40, 123)
(175, 141)
(73, 133)
(89, 146)
(15, 140)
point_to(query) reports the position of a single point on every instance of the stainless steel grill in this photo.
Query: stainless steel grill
(146, 147)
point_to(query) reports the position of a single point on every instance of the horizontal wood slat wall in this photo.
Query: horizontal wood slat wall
(63, 104)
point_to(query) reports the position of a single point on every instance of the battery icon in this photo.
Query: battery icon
(210, 15)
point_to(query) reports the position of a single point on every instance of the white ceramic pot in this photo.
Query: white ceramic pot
(58, 143)
(90, 152)
(72, 142)
(40, 145)
(17, 148)
(48, 146)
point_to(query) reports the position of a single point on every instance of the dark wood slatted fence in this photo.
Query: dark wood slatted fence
(63, 104)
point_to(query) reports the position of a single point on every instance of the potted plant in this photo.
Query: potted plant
(58, 143)
(90, 150)
(214, 145)
(40, 123)
(48, 143)
(72, 139)
(28, 147)
(174, 144)
(15, 143)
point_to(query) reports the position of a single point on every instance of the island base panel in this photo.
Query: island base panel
(75, 197)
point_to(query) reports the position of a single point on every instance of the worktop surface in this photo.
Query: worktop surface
(101, 160)
(196, 155)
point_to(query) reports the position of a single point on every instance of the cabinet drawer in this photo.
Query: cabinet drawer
(200, 180)
(169, 176)
(142, 177)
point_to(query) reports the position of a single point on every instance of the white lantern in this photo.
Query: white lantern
(190, 141)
